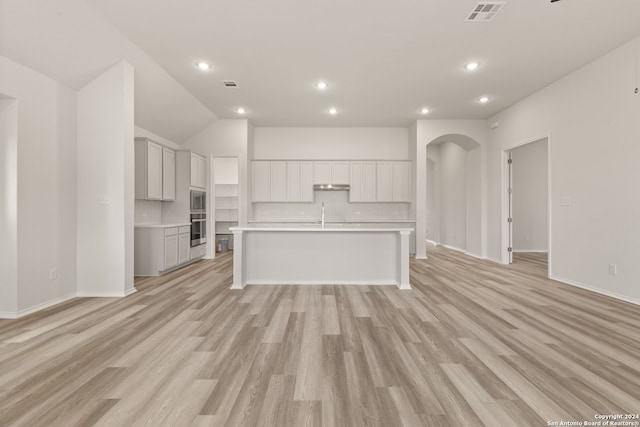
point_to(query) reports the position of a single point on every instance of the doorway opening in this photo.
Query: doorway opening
(454, 193)
(526, 195)
(226, 201)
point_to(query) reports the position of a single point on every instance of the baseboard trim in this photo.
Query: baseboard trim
(453, 248)
(596, 290)
(106, 294)
(471, 254)
(37, 307)
(538, 251)
(130, 291)
(324, 282)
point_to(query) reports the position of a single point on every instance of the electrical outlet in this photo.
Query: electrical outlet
(613, 269)
(53, 274)
(105, 200)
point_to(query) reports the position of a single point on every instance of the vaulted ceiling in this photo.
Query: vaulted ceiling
(383, 60)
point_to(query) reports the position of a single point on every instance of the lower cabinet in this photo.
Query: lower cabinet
(158, 249)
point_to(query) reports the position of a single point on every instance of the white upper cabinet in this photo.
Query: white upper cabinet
(299, 181)
(306, 181)
(168, 174)
(322, 172)
(198, 171)
(294, 184)
(326, 172)
(278, 181)
(401, 182)
(384, 186)
(362, 182)
(339, 172)
(261, 176)
(282, 181)
(155, 171)
(393, 181)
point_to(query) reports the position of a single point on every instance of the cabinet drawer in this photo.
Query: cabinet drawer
(172, 231)
(184, 229)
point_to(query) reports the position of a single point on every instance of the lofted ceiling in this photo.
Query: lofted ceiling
(383, 60)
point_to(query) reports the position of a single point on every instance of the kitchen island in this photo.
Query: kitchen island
(315, 255)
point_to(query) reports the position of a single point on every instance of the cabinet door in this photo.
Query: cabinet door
(368, 190)
(154, 171)
(278, 181)
(168, 174)
(194, 170)
(355, 193)
(401, 182)
(339, 172)
(322, 172)
(202, 172)
(293, 182)
(306, 181)
(184, 247)
(384, 182)
(170, 251)
(261, 176)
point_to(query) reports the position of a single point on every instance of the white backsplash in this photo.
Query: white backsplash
(148, 212)
(337, 209)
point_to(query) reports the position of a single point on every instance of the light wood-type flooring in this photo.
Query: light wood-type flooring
(474, 343)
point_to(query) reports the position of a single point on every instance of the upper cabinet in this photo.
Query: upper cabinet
(282, 181)
(168, 174)
(363, 182)
(155, 171)
(293, 180)
(198, 171)
(326, 172)
(393, 181)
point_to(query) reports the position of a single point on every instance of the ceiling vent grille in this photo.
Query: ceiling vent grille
(230, 83)
(485, 11)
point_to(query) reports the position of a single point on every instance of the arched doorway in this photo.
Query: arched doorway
(454, 193)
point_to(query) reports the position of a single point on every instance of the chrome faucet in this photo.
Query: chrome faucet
(322, 215)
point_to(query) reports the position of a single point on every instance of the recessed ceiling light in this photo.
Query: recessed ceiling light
(483, 99)
(203, 65)
(471, 66)
(424, 110)
(333, 110)
(322, 85)
(240, 110)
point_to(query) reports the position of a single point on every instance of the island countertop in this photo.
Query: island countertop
(312, 255)
(318, 228)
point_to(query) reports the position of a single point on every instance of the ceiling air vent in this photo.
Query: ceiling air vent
(485, 11)
(230, 83)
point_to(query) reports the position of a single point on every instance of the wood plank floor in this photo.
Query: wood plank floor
(474, 343)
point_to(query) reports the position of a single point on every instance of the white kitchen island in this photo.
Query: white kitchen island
(308, 255)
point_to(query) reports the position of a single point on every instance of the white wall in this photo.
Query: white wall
(308, 143)
(105, 169)
(8, 207)
(46, 182)
(530, 192)
(225, 170)
(429, 131)
(592, 116)
(433, 193)
(453, 196)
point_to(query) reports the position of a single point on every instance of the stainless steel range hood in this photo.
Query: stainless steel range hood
(331, 187)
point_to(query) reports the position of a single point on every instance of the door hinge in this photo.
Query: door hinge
(510, 191)
(510, 161)
(509, 249)
(510, 220)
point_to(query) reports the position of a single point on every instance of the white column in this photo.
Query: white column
(239, 281)
(403, 260)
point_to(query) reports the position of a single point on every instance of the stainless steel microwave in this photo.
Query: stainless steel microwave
(198, 201)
